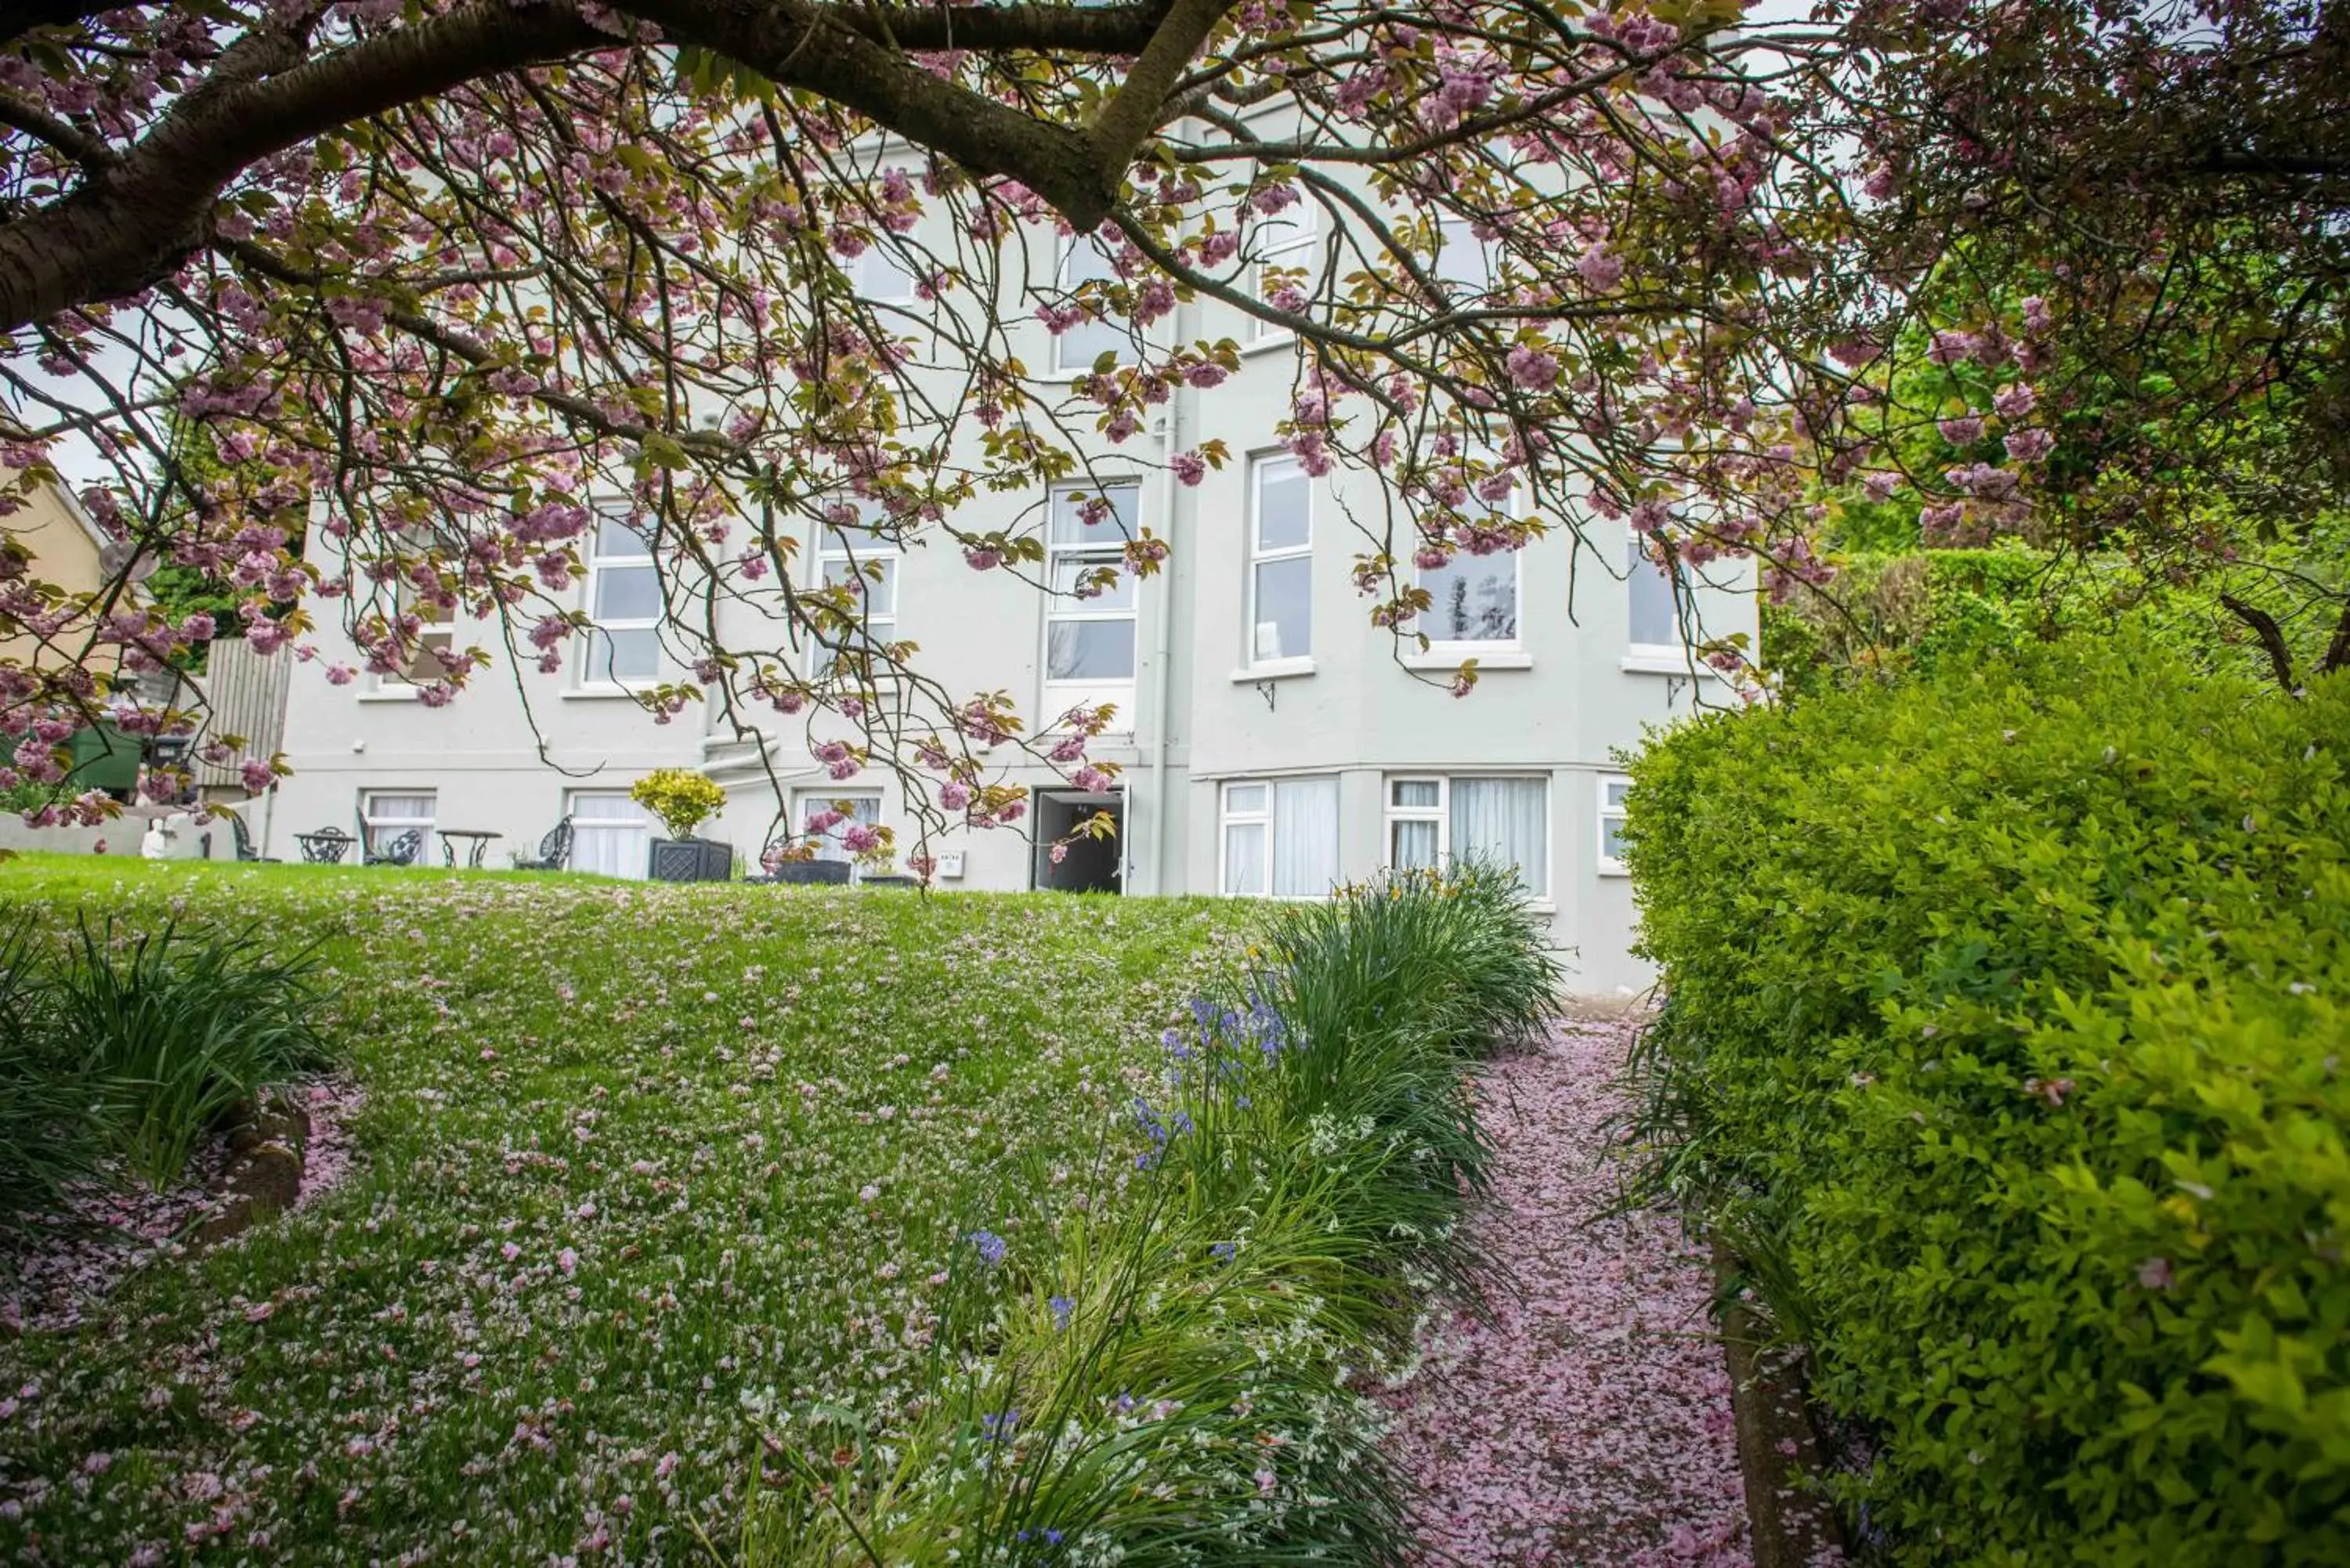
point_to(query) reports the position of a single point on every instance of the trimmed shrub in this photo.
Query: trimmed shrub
(2006, 1037)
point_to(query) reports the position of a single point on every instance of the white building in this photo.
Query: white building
(1271, 741)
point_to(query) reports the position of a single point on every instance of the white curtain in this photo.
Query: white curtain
(1244, 858)
(610, 835)
(1415, 844)
(1505, 820)
(389, 815)
(1304, 837)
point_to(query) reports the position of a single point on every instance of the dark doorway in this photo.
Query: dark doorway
(1090, 865)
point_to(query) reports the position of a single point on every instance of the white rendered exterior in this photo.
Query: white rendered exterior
(1211, 703)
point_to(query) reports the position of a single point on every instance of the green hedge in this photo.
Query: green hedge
(2005, 1032)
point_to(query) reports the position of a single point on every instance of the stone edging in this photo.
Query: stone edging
(264, 1174)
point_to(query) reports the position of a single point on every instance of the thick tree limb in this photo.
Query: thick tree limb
(21, 17)
(2270, 636)
(141, 212)
(1137, 108)
(132, 223)
(813, 48)
(2337, 649)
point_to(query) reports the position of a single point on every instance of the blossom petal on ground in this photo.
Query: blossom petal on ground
(1588, 1422)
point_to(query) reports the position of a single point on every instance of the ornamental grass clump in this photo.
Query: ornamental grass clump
(2006, 1040)
(171, 1028)
(47, 1133)
(1173, 1365)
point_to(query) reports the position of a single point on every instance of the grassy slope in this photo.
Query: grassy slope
(685, 1088)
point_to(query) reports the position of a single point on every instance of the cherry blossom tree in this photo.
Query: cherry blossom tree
(417, 282)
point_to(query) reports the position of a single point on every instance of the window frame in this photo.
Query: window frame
(1308, 235)
(371, 824)
(1610, 865)
(831, 847)
(1441, 814)
(1070, 249)
(885, 553)
(1258, 556)
(596, 562)
(438, 638)
(1452, 649)
(1226, 820)
(1391, 814)
(1637, 562)
(1060, 608)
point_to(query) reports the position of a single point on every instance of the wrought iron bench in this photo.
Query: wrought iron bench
(245, 845)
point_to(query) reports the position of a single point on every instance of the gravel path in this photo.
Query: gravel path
(1590, 1422)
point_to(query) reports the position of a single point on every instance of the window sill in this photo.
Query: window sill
(389, 694)
(1614, 868)
(1661, 661)
(1453, 656)
(1268, 343)
(597, 694)
(1273, 669)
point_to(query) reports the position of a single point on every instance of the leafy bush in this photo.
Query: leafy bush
(2005, 1035)
(681, 798)
(1919, 611)
(173, 1028)
(1175, 1373)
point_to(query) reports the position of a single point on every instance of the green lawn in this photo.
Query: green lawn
(643, 1169)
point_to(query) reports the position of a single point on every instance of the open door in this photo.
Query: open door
(1091, 864)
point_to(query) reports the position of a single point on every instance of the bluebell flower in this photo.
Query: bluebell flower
(1224, 1250)
(1062, 1307)
(990, 1246)
(999, 1426)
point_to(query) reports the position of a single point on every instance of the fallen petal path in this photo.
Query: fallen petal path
(1590, 1422)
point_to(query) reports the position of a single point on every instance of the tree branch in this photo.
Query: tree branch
(132, 223)
(2337, 649)
(137, 216)
(21, 18)
(1136, 108)
(2269, 635)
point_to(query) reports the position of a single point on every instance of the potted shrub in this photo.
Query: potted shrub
(683, 800)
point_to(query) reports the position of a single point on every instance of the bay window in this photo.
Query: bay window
(1285, 242)
(1655, 608)
(862, 561)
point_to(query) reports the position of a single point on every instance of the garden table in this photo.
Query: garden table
(479, 845)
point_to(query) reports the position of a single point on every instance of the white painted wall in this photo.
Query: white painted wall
(506, 756)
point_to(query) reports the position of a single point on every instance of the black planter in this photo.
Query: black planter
(689, 861)
(816, 873)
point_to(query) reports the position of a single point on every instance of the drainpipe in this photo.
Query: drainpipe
(1172, 443)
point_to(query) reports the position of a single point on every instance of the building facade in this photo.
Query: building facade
(1272, 742)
